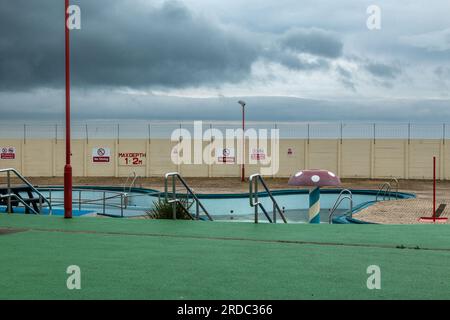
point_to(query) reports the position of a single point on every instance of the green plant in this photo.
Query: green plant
(162, 209)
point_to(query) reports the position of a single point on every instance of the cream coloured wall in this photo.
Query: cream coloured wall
(350, 158)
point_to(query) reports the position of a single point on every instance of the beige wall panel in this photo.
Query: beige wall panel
(199, 169)
(421, 154)
(355, 158)
(323, 154)
(294, 162)
(38, 160)
(160, 153)
(446, 160)
(389, 158)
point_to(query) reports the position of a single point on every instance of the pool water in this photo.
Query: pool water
(221, 207)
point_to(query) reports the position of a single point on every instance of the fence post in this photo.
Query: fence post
(409, 133)
(148, 166)
(372, 153)
(211, 158)
(8, 181)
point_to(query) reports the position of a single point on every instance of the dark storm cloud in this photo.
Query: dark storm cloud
(120, 44)
(313, 41)
(127, 43)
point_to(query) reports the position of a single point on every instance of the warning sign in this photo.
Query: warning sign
(290, 152)
(7, 153)
(258, 154)
(226, 155)
(101, 155)
(132, 159)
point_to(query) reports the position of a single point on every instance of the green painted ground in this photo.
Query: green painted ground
(144, 259)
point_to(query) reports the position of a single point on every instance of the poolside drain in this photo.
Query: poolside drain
(4, 232)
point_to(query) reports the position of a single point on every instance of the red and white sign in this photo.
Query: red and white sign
(258, 154)
(101, 155)
(132, 159)
(226, 155)
(290, 152)
(7, 153)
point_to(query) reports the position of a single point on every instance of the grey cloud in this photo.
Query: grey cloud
(435, 41)
(294, 61)
(346, 78)
(382, 70)
(99, 105)
(443, 72)
(313, 41)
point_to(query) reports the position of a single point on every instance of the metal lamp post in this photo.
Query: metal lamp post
(243, 104)
(68, 167)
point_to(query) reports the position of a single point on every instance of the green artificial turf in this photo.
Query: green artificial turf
(146, 259)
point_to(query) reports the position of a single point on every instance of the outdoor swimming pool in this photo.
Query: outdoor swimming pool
(114, 202)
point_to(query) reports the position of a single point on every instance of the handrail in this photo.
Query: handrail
(397, 185)
(387, 192)
(175, 200)
(123, 196)
(135, 176)
(33, 188)
(20, 200)
(338, 202)
(254, 201)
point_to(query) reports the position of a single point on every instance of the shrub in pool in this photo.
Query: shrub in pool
(162, 209)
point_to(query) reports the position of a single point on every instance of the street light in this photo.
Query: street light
(243, 104)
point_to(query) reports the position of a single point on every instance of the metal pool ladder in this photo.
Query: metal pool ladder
(133, 176)
(254, 200)
(345, 194)
(27, 202)
(386, 189)
(173, 199)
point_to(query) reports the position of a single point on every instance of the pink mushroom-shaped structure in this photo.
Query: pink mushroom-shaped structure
(314, 179)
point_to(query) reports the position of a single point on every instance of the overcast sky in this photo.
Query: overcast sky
(193, 59)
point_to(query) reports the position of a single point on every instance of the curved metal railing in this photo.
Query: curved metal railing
(341, 197)
(255, 203)
(105, 199)
(384, 190)
(42, 199)
(174, 199)
(31, 209)
(133, 181)
(397, 186)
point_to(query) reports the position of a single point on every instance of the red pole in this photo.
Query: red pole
(434, 189)
(243, 145)
(68, 167)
